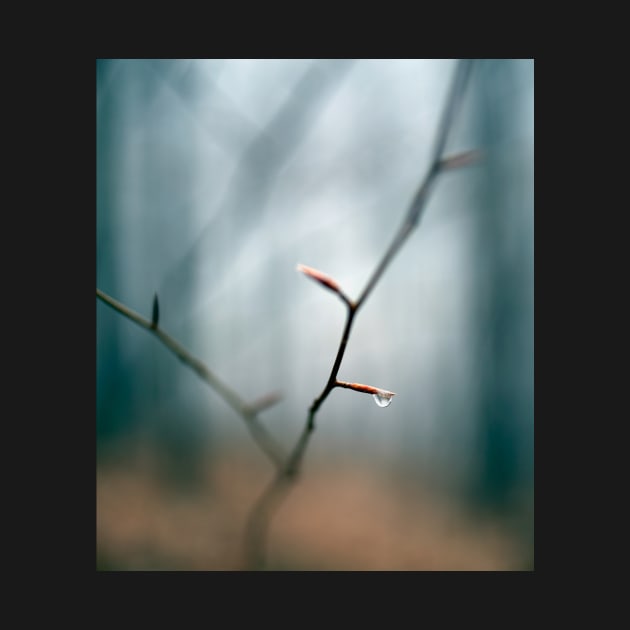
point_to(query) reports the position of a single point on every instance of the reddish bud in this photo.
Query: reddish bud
(366, 389)
(322, 278)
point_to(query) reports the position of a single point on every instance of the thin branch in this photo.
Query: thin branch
(419, 201)
(453, 102)
(277, 490)
(247, 411)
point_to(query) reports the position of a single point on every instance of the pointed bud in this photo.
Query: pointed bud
(322, 278)
(366, 389)
(263, 403)
(460, 160)
(156, 313)
(382, 397)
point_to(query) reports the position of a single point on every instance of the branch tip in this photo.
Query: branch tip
(460, 160)
(366, 389)
(262, 403)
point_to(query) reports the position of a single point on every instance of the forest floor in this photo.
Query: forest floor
(354, 516)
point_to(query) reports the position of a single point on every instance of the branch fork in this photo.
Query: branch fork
(261, 514)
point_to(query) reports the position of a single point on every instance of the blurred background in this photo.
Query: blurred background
(215, 178)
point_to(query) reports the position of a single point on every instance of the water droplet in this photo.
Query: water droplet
(383, 399)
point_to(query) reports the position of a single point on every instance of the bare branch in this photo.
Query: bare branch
(277, 490)
(458, 87)
(259, 520)
(247, 411)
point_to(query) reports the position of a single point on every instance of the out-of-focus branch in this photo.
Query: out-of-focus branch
(265, 508)
(267, 151)
(247, 411)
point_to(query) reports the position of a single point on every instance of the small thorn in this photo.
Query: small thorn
(156, 313)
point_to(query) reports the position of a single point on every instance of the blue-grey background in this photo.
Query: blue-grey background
(216, 177)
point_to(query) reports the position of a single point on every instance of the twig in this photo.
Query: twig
(247, 411)
(276, 491)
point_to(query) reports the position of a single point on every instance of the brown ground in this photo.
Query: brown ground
(352, 517)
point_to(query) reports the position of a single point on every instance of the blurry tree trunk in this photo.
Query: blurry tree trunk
(138, 177)
(503, 292)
